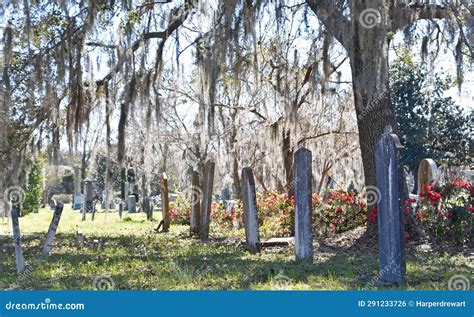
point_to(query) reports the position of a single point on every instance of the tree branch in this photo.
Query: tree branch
(331, 16)
(164, 35)
(404, 15)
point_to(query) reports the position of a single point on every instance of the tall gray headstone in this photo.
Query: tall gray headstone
(427, 173)
(303, 205)
(390, 217)
(132, 204)
(77, 200)
(196, 195)
(207, 185)
(249, 198)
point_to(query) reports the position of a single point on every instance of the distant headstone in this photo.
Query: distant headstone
(303, 205)
(207, 185)
(88, 205)
(390, 218)
(225, 194)
(196, 194)
(77, 199)
(126, 188)
(121, 204)
(427, 173)
(249, 199)
(132, 204)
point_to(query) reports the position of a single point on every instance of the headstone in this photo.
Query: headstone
(249, 199)
(427, 173)
(20, 262)
(77, 199)
(196, 194)
(303, 205)
(88, 205)
(225, 194)
(52, 204)
(126, 187)
(207, 185)
(390, 217)
(165, 203)
(48, 243)
(132, 204)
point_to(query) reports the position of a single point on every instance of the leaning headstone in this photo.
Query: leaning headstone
(165, 203)
(207, 185)
(88, 205)
(427, 173)
(48, 243)
(20, 262)
(390, 218)
(303, 205)
(77, 198)
(132, 204)
(249, 199)
(196, 194)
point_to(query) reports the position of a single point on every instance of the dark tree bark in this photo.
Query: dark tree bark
(367, 44)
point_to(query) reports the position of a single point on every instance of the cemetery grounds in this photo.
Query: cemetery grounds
(129, 254)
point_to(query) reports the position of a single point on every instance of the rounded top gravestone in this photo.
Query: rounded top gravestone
(427, 174)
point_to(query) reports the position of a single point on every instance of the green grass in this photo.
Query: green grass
(133, 256)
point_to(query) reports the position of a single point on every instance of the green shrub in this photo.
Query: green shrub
(445, 211)
(33, 192)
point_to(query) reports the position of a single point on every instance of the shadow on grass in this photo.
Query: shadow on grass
(168, 261)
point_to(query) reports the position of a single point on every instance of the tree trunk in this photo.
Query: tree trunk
(287, 153)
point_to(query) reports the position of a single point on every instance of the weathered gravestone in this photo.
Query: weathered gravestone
(77, 198)
(390, 217)
(303, 205)
(121, 204)
(196, 194)
(126, 186)
(165, 203)
(88, 205)
(48, 243)
(427, 173)
(249, 199)
(207, 185)
(132, 204)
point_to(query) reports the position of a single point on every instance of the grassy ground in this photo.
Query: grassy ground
(129, 255)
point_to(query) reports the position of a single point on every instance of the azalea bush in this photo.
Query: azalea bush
(180, 211)
(342, 211)
(226, 218)
(445, 211)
